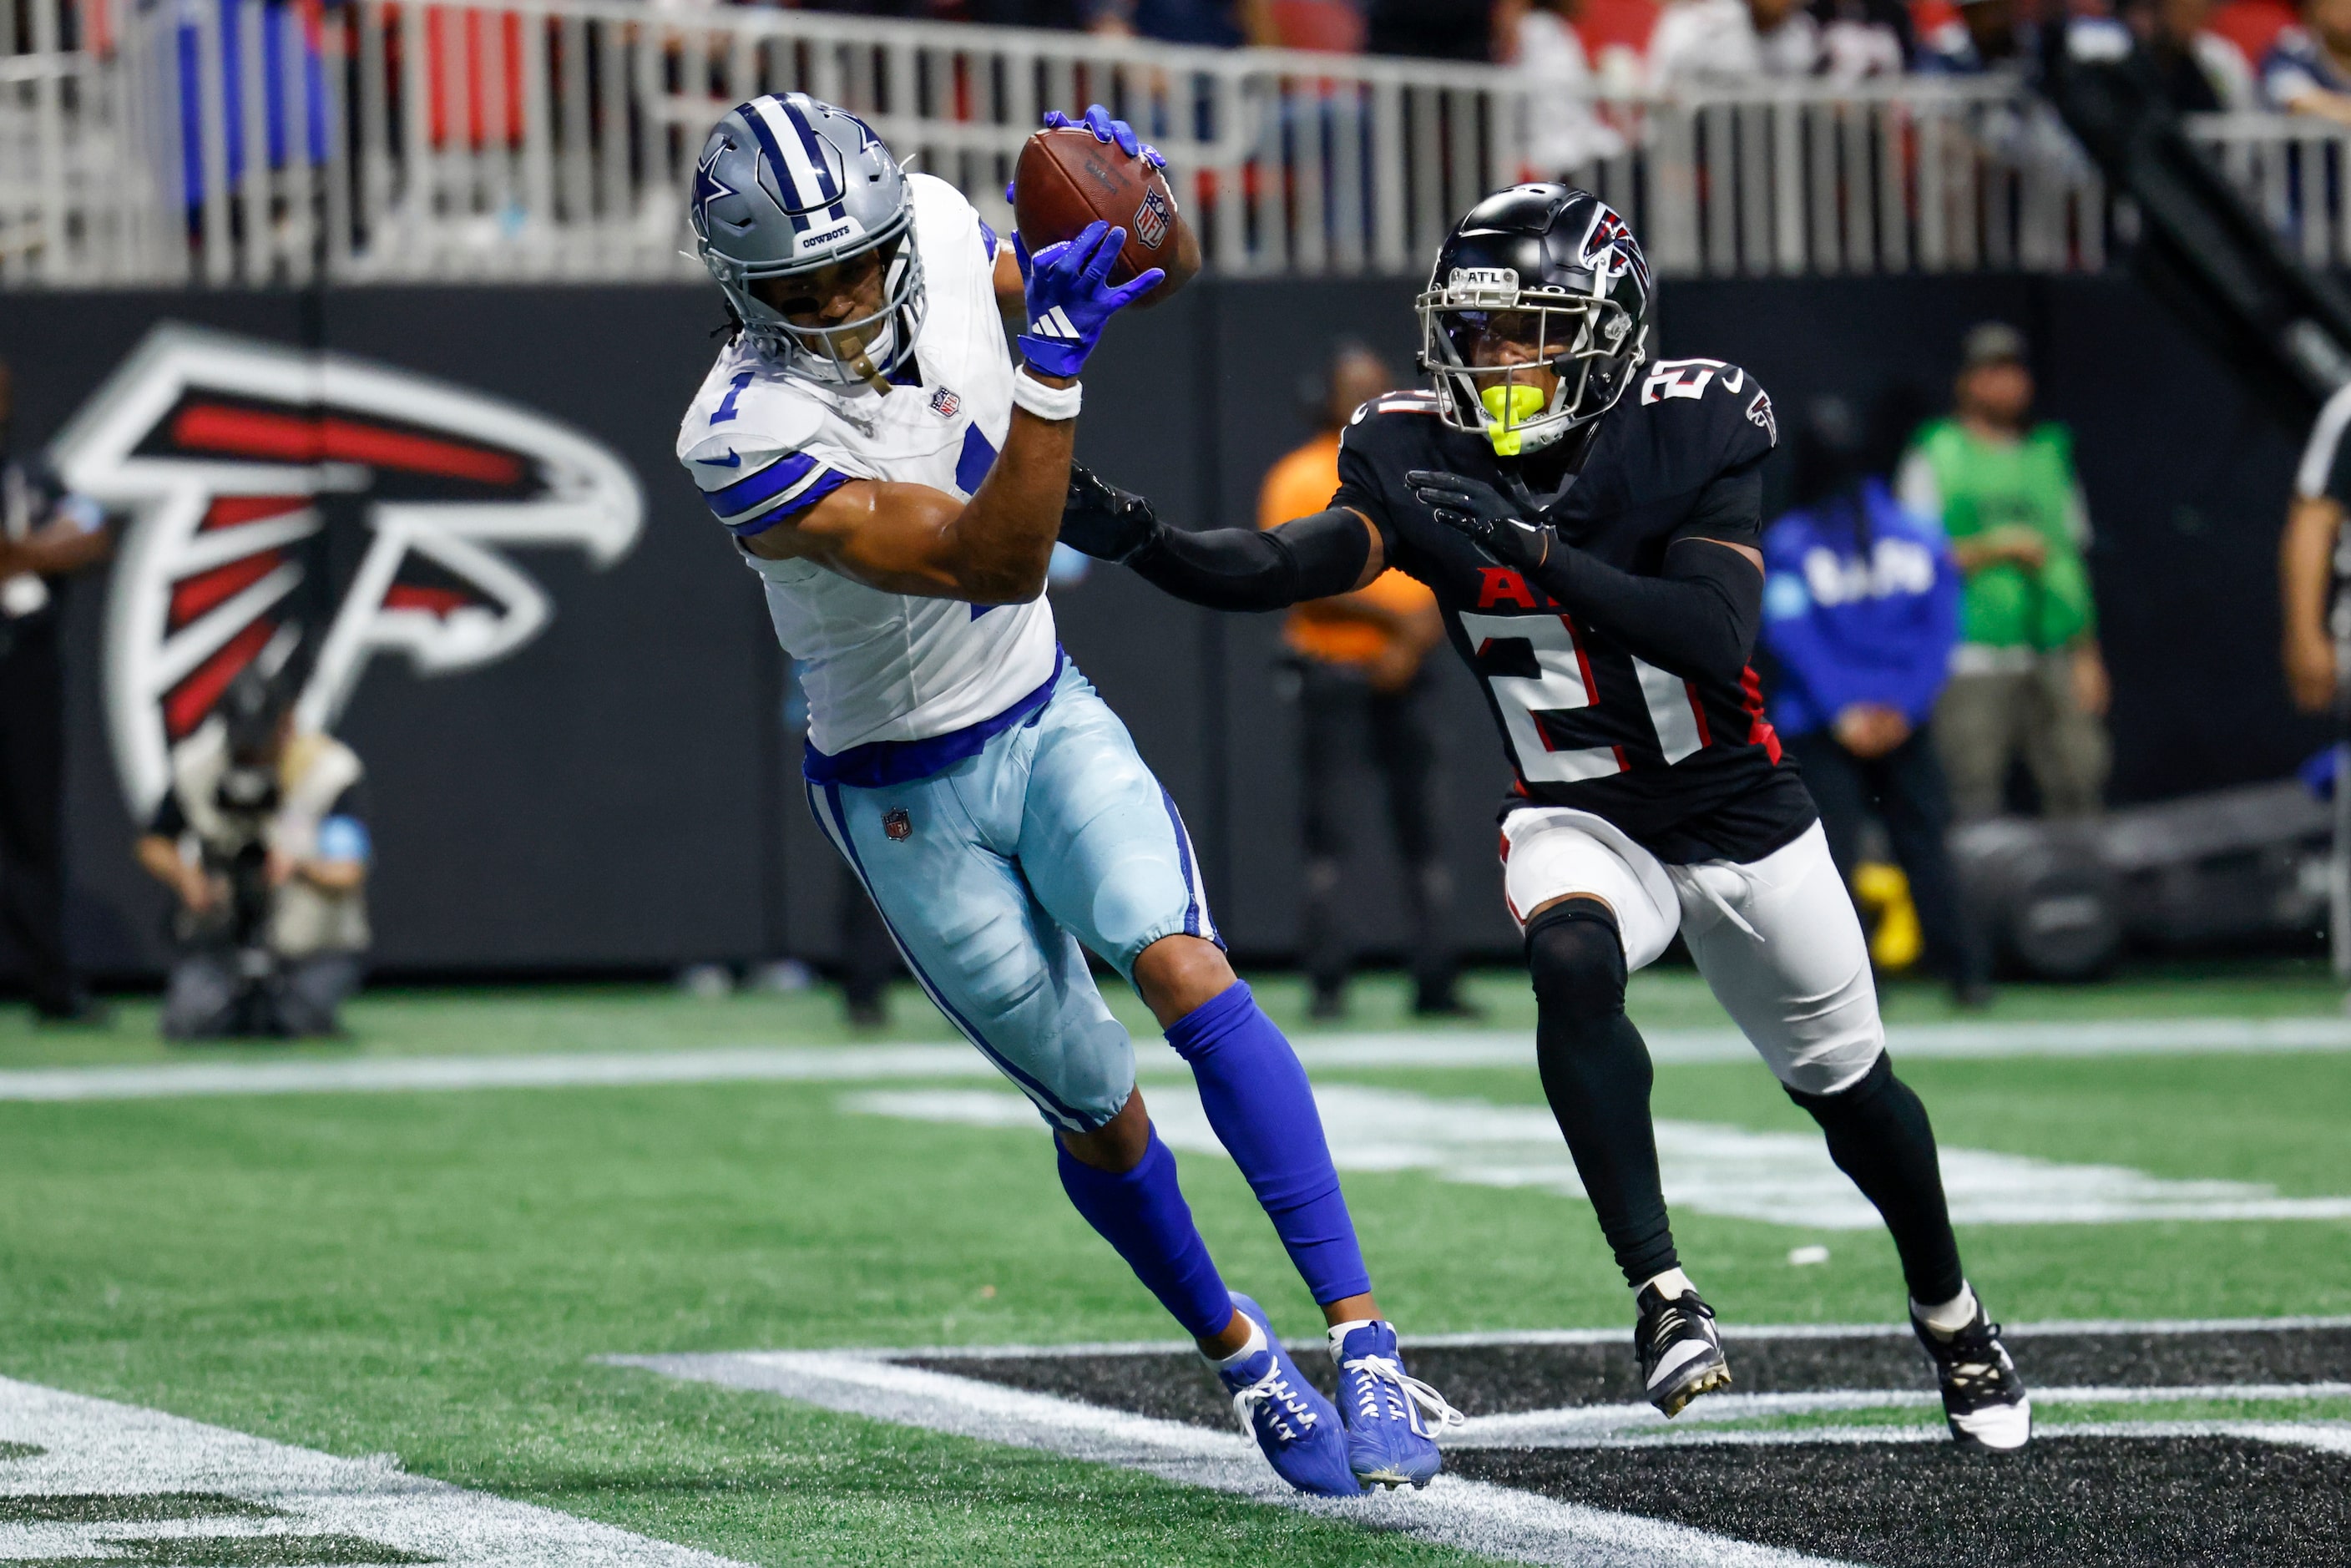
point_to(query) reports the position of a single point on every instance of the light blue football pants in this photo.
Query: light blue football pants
(1055, 835)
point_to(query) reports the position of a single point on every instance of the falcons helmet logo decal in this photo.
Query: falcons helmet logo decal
(1609, 247)
(228, 455)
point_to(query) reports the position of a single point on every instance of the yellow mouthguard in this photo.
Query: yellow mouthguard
(1509, 407)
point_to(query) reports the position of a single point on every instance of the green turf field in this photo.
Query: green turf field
(435, 1274)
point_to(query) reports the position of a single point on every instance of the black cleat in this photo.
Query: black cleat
(1983, 1399)
(1681, 1355)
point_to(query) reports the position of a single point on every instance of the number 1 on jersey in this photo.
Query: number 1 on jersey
(726, 409)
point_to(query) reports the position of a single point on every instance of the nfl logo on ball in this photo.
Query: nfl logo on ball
(897, 824)
(1151, 219)
(944, 403)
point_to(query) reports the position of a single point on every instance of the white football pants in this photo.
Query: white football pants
(1777, 938)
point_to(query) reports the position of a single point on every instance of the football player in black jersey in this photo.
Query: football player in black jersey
(1588, 520)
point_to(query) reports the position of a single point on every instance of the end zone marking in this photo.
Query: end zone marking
(84, 1474)
(1498, 1522)
(1525, 1486)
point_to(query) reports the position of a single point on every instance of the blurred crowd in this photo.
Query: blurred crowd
(1933, 635)
(2211, 55)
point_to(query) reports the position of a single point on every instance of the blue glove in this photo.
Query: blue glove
(1070, 299)
(1475, 508)
(1115, 132)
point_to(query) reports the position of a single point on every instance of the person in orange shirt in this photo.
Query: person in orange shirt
(1359, 660)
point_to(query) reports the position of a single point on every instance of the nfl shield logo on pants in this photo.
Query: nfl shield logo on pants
(897, 824)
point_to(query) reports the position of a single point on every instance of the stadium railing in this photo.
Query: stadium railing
(274, 141)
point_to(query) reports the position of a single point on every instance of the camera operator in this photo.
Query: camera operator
(260, 840)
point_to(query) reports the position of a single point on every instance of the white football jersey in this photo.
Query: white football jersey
(763, 444)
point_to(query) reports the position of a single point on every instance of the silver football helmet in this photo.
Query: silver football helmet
(786, 184)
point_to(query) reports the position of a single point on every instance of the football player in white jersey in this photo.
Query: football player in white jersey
(898, 484)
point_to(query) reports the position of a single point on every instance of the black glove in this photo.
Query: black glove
(1102, 520)
(1492, 519)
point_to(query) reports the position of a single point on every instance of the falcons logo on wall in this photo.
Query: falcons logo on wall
(226, 454)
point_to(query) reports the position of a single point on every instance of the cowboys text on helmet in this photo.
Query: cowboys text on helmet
(788, 186)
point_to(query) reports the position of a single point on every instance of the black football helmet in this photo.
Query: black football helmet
(1554, 276)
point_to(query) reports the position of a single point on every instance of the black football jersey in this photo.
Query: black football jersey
(1688, 769)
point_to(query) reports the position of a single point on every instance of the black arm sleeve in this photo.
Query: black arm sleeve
(1699, 619)
(1730, 509)
(1244, 569)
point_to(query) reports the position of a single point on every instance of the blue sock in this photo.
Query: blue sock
(1143, 1214)
(1258, 1101)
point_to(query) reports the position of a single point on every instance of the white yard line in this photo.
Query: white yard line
(99, 1458)
(1780, 1178)
(2114, 1037)
(1498, 1522)
(2328, 1437)
(1574, 1426)
(862, 1063)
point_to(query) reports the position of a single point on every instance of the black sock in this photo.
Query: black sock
(1597, 1074)
(1878, 1135)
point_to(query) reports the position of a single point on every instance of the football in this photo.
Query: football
(1066, 179)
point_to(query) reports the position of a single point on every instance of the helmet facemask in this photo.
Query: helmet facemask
(864, 349)
(1585, 346)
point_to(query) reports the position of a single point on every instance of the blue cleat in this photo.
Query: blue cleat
(1298, 1428)
(1389, 1443)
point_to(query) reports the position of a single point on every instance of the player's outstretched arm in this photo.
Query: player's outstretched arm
(993, 549)
(1332, 553)
(1700, 617)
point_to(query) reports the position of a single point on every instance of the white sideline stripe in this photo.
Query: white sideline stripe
(98, 1446)
(2114, 1037)
(2328, 1437)
(1571, 1425)
(857, 1063)
(1733, 1335)
(1780, 1178)
(554, 1070)
(1498, 1521)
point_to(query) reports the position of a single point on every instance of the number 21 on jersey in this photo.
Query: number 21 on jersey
(1563, 683)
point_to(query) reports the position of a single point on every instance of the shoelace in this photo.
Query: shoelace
(1982, 1372)
(1375, 1371)
(1273, 1389)
(1672, 1320)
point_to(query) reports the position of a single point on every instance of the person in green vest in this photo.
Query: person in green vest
(2027, 678)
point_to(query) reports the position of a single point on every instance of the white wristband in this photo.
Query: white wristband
(1044, 402)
